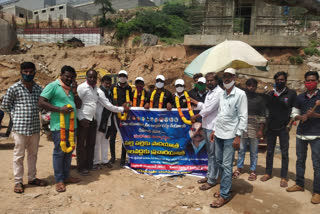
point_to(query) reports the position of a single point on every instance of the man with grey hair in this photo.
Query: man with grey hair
(231, 122)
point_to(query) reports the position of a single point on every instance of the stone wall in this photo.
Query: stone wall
(8, 37)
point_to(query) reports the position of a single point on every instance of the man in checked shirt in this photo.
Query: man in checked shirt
(21, 101)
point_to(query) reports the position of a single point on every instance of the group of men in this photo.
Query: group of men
(231, 118)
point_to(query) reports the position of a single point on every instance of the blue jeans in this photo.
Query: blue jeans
(224, 157)
(61, 160)
(253, 153)
(213, 170)
(301, 151)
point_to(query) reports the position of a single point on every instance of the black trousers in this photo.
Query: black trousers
(85, 145)
(112, 142)
(284, 146)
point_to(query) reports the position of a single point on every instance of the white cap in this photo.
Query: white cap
(179, 82)
(161, 77)
(202, 79)
(230, 71)
(123, 72)
(139, 79)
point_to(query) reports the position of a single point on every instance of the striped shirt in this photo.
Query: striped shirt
(23, 107)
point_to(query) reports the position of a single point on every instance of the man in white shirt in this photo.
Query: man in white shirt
(209, 111)
(90, 96)
(231, 122)
(104, 119)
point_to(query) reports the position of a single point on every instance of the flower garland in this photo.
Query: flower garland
(135, 96)
(115, 97)
(63, 143)
(160, 99)
(183, 118)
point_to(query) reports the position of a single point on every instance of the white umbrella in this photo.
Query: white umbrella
(228, 54)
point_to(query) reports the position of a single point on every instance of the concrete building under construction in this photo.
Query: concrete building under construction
(252, 21)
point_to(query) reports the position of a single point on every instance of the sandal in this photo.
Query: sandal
(206, 186)
(283, 182)
(38, 182)
(72, 180)
(236, 173)
(265, 178)
(252, 176)
(202, 180)
(60, 187)
(18, 188)
(216, 194)
(219, 202)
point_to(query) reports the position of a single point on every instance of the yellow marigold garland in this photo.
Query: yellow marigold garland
(160, 99)
(63, 143)
(115, 97)
(135, 96)
(183, 118)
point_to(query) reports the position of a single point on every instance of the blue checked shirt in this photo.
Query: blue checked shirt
(23, 107)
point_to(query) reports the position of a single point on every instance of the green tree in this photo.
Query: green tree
(106, 7)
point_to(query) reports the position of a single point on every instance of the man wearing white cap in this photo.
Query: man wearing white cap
(140, 95)
(199, 91)
(232, 120)
(179, 84)
(120, 89)
(160, 97)
(208, 112)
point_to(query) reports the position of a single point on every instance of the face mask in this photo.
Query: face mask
(180, 89)
(139, 89)
(228, 85)
(159, 84)
(310, 85)
(250, 93)
(123, 79)
(280, 85)
(27, 78)
(200, 87)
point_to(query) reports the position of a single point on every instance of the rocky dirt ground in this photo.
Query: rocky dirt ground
(123, 191)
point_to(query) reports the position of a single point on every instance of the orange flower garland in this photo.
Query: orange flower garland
(63, 143)
(160, 99)
(135, 96)
(183, 118)
(115, 97)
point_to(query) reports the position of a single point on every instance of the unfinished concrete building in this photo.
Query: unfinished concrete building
(60, 12)
(252, 21)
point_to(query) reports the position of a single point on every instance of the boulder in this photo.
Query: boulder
(149, 39)
(8, 37)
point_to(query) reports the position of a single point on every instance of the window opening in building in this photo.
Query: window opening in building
(43, 11)
(242, 20)
(21, 15)
(61, 7)
(35, 13)
(51, 9)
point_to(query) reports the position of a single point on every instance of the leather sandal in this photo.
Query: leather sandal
(18, 188)
(265, 177)
(219, 202)
(60, 187)
(202, 180)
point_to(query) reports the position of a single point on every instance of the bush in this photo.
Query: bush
(296, 60)
(136, 40)
(176, 10)
(311, 51)
(153, 22)
(299, 60)
(103, 22)
(292, 59)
